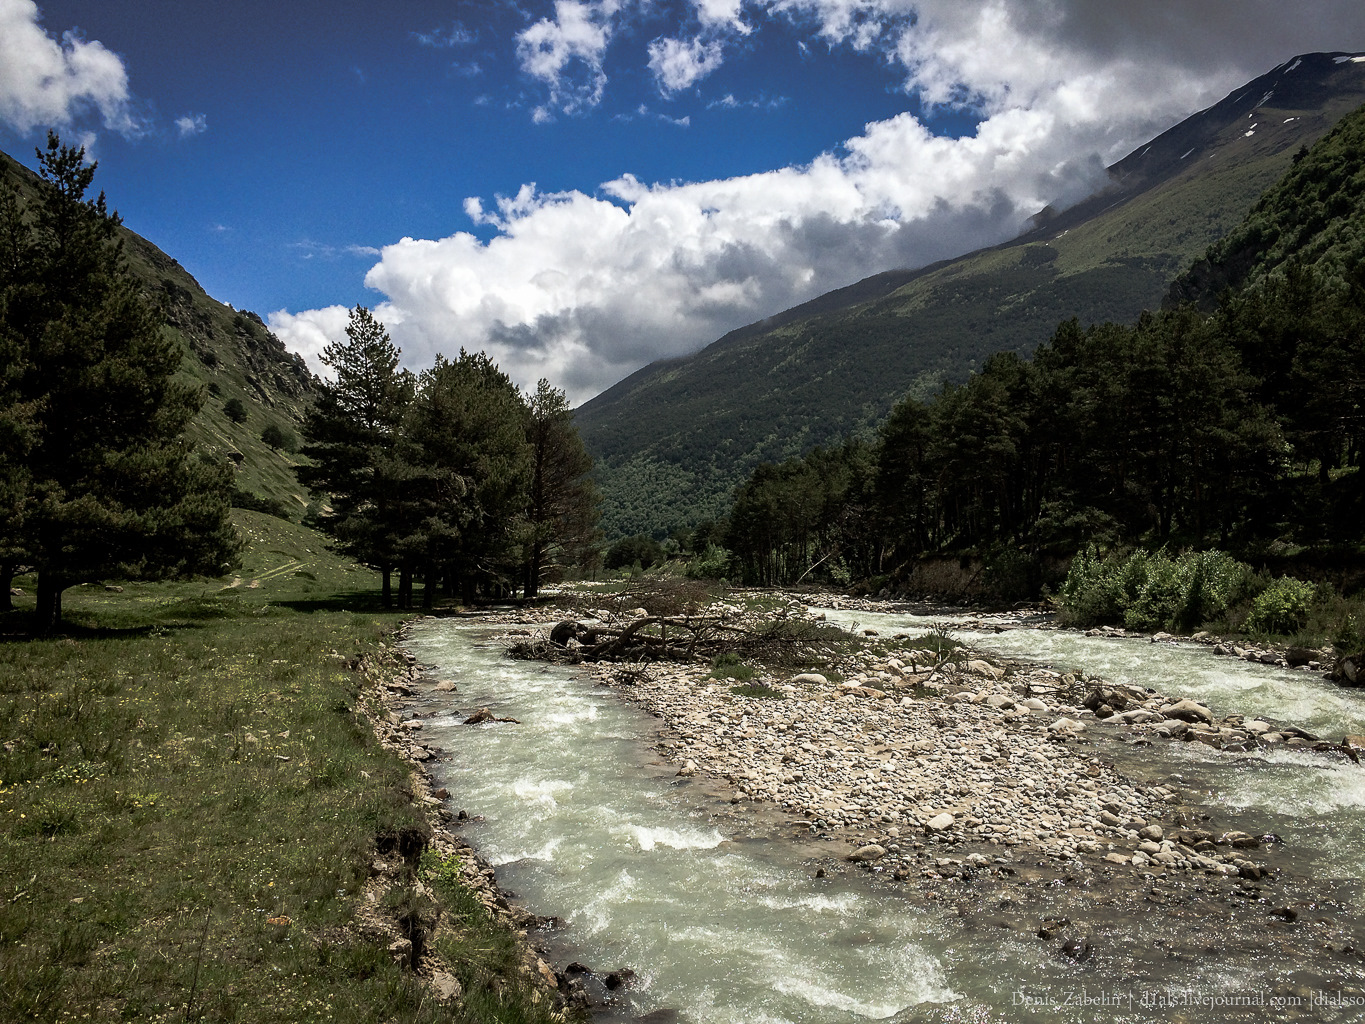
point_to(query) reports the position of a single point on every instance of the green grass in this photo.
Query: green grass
(187, 763)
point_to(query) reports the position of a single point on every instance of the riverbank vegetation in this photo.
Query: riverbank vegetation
(191, 797)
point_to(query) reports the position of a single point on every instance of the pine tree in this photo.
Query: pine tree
(561, 510)
(98, 481)
(351, 431)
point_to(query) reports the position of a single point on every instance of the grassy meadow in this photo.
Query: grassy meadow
(189, 801)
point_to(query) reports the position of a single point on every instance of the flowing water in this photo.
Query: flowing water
(726, 923)
(1316, 804)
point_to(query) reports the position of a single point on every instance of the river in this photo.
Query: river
(724, 921)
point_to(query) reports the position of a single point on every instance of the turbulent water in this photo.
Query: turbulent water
(723, 924)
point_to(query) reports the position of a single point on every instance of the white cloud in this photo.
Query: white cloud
(677, 64)
(566, 53)
(586, 288)
(191, 124)
(309, 333)
(46, 82)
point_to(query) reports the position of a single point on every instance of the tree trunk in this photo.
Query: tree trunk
(429, 587)
(405, 587)
(388, 586)
(6, 584)
(48, 615)
(533, 571)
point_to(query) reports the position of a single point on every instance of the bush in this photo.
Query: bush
(1151, 590)
(1281, 608)
(234, 410)
(711, 564)
(278, 438)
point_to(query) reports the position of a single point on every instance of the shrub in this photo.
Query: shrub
(234, 410)
(278, 438)
(1151, 590)
(711, 564)
(1282, 607)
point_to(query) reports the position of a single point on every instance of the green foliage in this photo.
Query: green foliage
(729, 665)
(642, 551)
(1282, 607)
(711, 564)
(234, 410)
(1151, 591)
(279, 438)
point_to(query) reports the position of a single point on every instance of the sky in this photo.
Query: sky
(580, 187)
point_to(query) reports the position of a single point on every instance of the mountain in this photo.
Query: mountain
(673, 439)
(232, 355)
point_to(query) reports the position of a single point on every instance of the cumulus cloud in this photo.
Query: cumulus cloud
(566, 53)
(678, 63)
(47, 82)
(585, 288)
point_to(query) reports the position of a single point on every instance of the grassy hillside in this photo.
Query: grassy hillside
(231, 355)
(672, 440)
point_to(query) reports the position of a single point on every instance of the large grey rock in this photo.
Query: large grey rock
(939, 822)
(867, 854)
(1189, 711)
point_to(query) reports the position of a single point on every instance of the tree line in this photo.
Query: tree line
(1230, 429)
(451, 477)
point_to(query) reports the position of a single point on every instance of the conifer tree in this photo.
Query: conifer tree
(351, 430)
(561, 509)
(96, 480)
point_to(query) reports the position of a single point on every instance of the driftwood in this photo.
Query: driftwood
(686, 637)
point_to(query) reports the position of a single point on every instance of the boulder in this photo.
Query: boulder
(868, 854)
(1189, 711)
(564, 632)
(978, 667)
(1350, 670)
(939, 822)
(813, 678)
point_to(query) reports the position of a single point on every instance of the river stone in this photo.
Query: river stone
(867, 854)
(1256, 727)
(1190, 711)
(985, 668)
(1152, 832)
(445, 987)
(1068, 725)
(814, 678)
(1034, 704)
(939, 822)
(1116, 858)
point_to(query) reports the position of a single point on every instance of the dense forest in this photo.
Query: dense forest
(1234, 418)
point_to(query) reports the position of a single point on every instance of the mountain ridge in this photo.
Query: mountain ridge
(673, 438)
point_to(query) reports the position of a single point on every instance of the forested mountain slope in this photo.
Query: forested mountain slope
(673, 439)
(234, 357)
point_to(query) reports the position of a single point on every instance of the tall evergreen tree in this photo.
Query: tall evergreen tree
(99, 481)
(464, 438)
(352, 430)
(561, 508)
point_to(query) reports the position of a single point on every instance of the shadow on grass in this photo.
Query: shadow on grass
(346, 601)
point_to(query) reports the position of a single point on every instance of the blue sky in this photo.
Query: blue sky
(581, 186)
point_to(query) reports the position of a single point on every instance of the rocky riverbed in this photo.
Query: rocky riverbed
(1021, 797)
